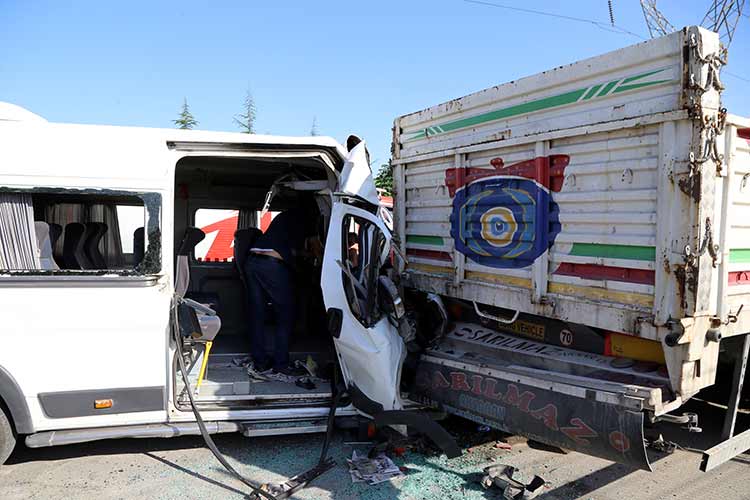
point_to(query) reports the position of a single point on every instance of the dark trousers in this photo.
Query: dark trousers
(270, 280)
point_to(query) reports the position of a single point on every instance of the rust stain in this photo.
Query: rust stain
(679, 274)
(691, 186)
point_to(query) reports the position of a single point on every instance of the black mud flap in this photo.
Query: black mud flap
(424, 424)
(561, 415)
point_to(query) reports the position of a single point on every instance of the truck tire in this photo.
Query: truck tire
(7, 436)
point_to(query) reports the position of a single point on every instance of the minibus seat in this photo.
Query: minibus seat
(96, 232)
(139, 245)
(55, 231)
(193, 315)
(243, 241)
(44, 243)
(73, 255)
(81, 257)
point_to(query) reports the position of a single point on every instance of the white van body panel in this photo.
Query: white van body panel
(72, 333)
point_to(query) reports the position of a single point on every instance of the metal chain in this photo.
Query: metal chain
(710, 127)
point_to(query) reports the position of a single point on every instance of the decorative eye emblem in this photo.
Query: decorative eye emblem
(498, 225)
(504, 221)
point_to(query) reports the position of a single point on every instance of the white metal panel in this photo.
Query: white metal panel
(594, 90)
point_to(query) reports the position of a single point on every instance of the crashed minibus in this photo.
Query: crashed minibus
(103, 279)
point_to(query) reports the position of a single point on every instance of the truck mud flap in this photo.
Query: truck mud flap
(424, 424)
(559, 414)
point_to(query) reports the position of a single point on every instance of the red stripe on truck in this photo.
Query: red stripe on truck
(429, 254)
(597, 272)
(737, 278)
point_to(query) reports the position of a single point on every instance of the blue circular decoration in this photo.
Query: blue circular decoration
(504, 222)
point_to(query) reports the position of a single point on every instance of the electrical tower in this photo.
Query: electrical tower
(722, 17)
(655, 20)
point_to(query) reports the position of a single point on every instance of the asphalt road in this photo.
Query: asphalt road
(181, 468)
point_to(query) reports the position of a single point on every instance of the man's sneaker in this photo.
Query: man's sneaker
(257, 372)
(288, 374)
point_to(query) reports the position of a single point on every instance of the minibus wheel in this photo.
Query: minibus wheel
(7, 436)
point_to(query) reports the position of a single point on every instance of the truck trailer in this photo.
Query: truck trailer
(584, 233)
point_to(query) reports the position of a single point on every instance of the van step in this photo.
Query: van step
(255, 429)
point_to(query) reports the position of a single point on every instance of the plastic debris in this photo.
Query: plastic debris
(372, 470)
(502, 445)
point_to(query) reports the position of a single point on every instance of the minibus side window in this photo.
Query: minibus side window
(68, 232)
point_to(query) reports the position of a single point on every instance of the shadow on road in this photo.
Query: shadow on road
(22, 454)
(263, 459)
(194, 474)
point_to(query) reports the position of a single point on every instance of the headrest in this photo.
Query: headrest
(192, 237)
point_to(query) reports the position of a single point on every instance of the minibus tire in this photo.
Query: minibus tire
(7, 436)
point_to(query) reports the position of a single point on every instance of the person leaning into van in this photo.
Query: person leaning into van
(269, 271)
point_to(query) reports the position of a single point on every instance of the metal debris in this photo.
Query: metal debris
(501, 476)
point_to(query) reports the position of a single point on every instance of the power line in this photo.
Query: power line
(736, 76)
(599, 24)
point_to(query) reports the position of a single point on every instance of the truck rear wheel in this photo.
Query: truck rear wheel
(7, 436)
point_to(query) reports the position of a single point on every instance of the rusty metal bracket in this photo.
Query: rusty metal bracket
(707, 244)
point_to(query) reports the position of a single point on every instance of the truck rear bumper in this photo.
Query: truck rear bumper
(557, 396)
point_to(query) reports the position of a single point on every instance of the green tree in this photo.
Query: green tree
(384, 179)
(185, 119)
(246, 120)
(314, 127)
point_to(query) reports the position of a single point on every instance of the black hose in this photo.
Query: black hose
(199, 420)
(331, 414)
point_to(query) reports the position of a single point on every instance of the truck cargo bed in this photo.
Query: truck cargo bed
(608, 192)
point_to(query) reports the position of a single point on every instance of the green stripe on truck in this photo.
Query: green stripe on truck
(424, 240)
(630, 83)
(631, 252)
(739, 255)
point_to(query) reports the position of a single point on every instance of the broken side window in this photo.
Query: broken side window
(63, 231)
(362, 247)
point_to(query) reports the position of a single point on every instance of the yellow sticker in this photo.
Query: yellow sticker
(525, 328)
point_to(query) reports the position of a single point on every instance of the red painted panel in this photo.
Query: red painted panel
(546, 170)
(596, 272)
(744, 133)
(429, 254)
(739, 278)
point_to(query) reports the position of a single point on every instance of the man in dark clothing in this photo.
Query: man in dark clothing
(269, 272)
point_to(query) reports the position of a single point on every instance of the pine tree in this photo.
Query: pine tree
(246, 120)
(314, 127)
(185, 120)
(384, 179)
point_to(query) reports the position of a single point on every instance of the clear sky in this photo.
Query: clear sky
(354, 66)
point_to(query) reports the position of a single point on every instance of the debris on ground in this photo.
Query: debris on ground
(372, 470)
(501, 476)
(662, 445)
(502, 445)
